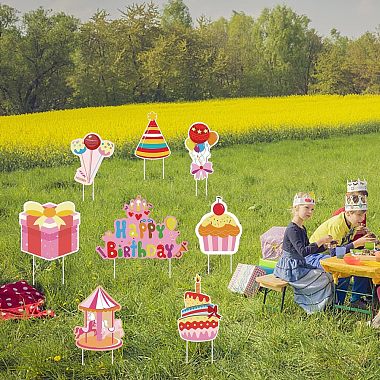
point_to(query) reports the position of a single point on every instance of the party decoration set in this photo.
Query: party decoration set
(49, 231)
(138, 236)
(101, 331)
(91, 150)
(199, 142)
(219, 232)
(199, 320)
(152, 145)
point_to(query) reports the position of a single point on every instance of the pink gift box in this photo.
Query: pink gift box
(244, 279)
(49, 241)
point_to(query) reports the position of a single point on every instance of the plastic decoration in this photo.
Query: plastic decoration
(101, 331)
(49, 231)
(91, 151)
(199, 142)
(219, 232)
(152, 145)
(200, 318)
(138, 236)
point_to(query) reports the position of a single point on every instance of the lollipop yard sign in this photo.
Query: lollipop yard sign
(91, 151)
(138, 236)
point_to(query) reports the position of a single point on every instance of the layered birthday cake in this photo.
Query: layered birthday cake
(219, 231)
(199, 320)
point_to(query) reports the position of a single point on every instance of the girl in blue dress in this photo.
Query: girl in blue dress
(313, 287)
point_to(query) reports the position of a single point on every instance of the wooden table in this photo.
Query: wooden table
(340, 269)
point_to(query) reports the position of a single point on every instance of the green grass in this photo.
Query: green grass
(258, 183)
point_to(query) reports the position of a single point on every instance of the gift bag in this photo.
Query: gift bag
(21, 300)
(271, 243)
(243, 280)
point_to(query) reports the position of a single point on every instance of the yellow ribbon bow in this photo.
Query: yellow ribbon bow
(36, 209)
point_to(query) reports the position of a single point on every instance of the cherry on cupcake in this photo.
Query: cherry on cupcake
(218, 208)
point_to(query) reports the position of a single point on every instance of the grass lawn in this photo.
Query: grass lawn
(258, 183)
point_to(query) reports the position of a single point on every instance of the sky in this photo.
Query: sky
(351, 18)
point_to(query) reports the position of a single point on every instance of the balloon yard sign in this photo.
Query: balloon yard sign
(199, 142)
(138, 236)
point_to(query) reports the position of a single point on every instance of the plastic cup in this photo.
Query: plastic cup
(340, 252)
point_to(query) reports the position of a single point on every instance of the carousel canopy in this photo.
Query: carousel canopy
(99, 300)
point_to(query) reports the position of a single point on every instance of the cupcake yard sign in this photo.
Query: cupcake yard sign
(219, 232)
(138, 236)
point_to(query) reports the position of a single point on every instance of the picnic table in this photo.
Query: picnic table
(340, 269)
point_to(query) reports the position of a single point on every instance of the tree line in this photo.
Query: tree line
(53, 61)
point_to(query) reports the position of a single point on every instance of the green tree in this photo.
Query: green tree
(332, 72)
(176, 14)
(40, 55)
(93, 80)
(363, 61)
(287, 49)
(9, 62)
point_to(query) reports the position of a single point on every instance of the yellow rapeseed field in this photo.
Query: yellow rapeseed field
(44, 133)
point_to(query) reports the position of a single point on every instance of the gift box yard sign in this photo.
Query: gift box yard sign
(138, 236)
(49, 231)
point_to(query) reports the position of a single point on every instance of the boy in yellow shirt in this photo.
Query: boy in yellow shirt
(338, 227)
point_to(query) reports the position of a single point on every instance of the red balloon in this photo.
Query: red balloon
(199, 133)
(92, 141)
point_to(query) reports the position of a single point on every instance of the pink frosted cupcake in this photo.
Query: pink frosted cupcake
(219, 231)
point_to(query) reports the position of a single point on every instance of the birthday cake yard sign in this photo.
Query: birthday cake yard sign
(138, 236)
(199, 320)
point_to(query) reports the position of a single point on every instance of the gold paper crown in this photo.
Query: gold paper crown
(305, 200)
(356, 203)
(356, 185)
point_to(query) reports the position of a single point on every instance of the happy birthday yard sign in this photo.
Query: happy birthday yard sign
(138, 236)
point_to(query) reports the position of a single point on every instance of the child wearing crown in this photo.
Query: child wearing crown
(339, 227)
(313, 287)
(356, 187)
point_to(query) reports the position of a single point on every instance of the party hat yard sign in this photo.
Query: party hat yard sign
(138, 236)
(152, 145)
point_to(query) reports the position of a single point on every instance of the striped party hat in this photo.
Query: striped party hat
(152, 145)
